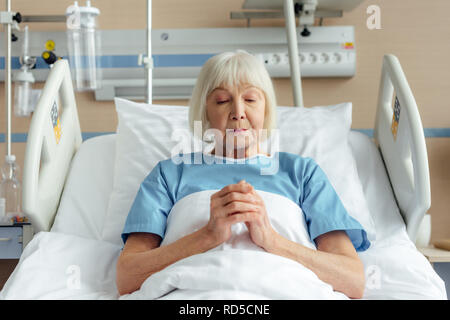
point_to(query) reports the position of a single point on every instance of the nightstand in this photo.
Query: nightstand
(434, 254)
(439, 259)
(13, 239)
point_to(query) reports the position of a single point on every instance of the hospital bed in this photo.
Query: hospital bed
(75, 178)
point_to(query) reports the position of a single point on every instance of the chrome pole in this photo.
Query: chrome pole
(8, 80)
(148, 65)
(291, 35)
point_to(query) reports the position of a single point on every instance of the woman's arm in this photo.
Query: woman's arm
(335, 261)
(142, 256)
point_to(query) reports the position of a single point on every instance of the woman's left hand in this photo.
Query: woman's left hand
(261, 231)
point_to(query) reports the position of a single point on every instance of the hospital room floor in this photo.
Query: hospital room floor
(6, 268)
(443, 270)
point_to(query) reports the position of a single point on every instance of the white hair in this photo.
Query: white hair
(231, 69)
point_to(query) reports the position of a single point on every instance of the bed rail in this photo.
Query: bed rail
(400, 138)
(53, 138)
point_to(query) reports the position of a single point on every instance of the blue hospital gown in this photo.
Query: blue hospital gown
(297, 178)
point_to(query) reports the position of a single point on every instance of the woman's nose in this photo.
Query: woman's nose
(238, 112)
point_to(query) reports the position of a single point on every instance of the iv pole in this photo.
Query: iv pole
(8, 18)
(291, 35)
(149, 62)
(7, 23)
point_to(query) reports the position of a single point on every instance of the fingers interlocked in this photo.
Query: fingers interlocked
(233, 199)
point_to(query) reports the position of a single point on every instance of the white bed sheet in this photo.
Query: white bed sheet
(74, 263)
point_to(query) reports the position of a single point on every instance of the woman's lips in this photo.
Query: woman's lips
(241, 132)
(237, 131)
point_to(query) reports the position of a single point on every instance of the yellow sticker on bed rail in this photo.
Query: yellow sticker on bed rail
(348, 45)
(55, 122)
(395, 118)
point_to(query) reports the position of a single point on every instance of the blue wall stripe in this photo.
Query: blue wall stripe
(15, 137)
(436, 132)
(180, 60)
(429, 133)
(130, 61)
(88, 135)
(368, 132)
(22, 137)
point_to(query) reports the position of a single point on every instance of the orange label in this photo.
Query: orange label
(394, 127)
(395, 118)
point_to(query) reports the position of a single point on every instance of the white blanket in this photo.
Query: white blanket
(238, 268)
(61, 266)
(236, 274)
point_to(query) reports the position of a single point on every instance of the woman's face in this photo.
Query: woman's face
(238, 112)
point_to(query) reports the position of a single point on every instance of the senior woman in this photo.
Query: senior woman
(235, 97)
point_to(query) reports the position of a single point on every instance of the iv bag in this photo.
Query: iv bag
(25, 98)
(83, 44)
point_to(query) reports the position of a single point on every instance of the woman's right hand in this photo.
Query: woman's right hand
(232, 204)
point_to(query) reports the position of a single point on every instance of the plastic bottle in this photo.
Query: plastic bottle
(22, 99)
(83, 43)
(10, 188)
(3, 218)
(23, 79)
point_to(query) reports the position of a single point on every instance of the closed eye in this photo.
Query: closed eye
(222, 102)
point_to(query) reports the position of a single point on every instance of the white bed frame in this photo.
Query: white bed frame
(47, 163)
(405, 158)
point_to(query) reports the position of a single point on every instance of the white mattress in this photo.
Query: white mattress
(79, 265)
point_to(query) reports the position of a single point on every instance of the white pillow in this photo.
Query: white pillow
(84, 202)
(144, 137)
